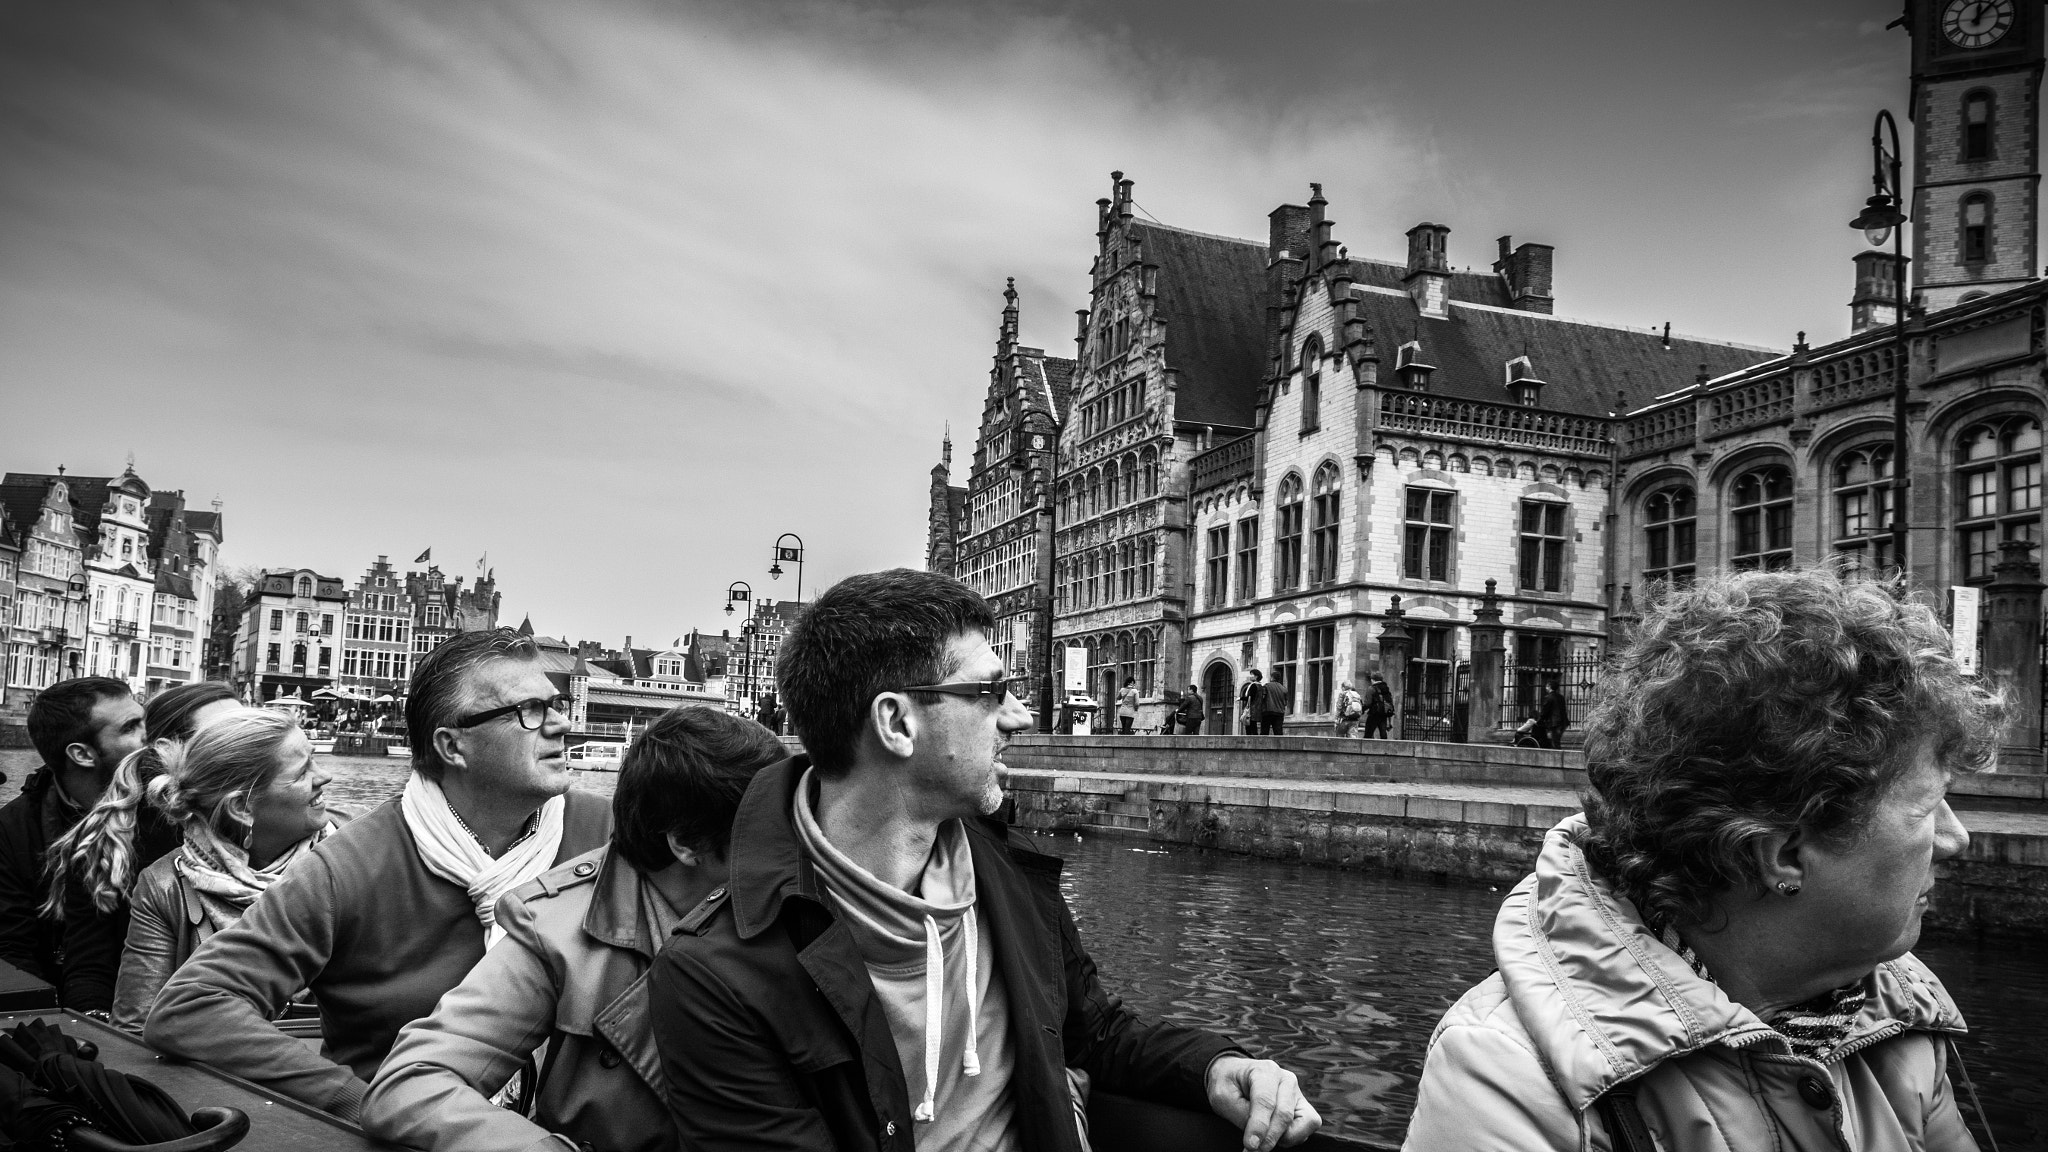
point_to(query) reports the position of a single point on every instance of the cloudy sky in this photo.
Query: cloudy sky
(619, 290)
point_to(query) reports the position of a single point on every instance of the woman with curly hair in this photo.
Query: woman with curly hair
(91, 868)
(1714, 955)
(246, 794)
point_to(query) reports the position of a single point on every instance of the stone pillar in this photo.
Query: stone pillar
(2012, 650)
(1394, 664)
(1489, 668)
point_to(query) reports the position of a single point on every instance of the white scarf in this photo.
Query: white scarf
(450, 852)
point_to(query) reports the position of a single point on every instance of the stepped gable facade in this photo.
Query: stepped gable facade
(45, 627)
(1170, 358)
(1005, 519)
(1436, 436)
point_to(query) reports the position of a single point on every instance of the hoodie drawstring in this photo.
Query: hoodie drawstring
(935, 1010)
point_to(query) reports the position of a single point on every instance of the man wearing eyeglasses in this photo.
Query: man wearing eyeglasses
(395, 909)
(890, 967)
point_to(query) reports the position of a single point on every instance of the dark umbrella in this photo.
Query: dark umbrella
(96, 1107)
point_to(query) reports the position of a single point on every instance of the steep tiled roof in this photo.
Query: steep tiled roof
(196, 521)
(22, 497)
(175, 584)
(1212, 297)
(88, 496)
(1582, 364)
(1056, 383)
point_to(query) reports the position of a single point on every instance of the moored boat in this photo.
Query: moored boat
(398, 751)
(596, 755)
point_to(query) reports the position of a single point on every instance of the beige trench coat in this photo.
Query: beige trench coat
(571, 971)
(1587, 998)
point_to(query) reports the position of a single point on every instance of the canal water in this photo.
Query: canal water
(1341, 975)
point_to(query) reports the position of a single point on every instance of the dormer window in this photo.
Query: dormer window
(1409, 365)
(1522, 382)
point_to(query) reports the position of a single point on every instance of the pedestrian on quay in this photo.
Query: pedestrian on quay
(1715, 953)
(247, 797)
(1127, 707)
(1187, 715)
(91, 868)
(1273, 699)
(890, 967)
(397, 907)
(1379, 708)
(82, 729)
(572, 967)
(1350, 710)
(1553, 716)
(1250, 702)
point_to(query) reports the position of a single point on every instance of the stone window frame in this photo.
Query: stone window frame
(1326, 496)
(1247, 558)
(1527, 574)
(1321, 664)
(2003, 521)
(1869, 547)
(1770, 555)
(1289, 513)
(1311, 384)
(1990, 136)
(1216, 566)
(1430, 528)
(1989, 238)
(1283, 663)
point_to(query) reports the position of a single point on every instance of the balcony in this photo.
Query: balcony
(123, 629)
(53, 637)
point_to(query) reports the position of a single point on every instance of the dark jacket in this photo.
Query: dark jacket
(1555, 715)
(771, 1036)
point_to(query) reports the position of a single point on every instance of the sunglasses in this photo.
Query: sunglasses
(1016, 686)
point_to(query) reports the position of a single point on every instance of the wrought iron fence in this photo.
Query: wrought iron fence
(1435, 706)
(1523, 687)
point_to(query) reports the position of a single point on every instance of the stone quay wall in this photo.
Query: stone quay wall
(1468, 810)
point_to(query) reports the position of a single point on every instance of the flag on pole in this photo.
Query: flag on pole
(423, 557)
(788, 553)
(480, 561)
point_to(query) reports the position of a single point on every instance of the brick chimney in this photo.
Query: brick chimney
(1527, 272)
(1288, 232)
(1428, 279)
(1876, 303)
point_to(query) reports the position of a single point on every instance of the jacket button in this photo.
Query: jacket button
(1815, 1093)
(889, 1129)
(609, 1058)
(585, 868)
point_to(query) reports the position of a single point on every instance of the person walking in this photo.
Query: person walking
(1273, 700)
(1350, 709)
(1127, 707)
(82, 729)
(890, 967)
(1379, 708)
(1554, 716)
(396, 908)
(247, 797)
(1188, 713)
(1715, 954)
(1250, 702)
(572, 968)
(91, 869)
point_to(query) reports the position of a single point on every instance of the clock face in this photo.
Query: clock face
(1976, 23)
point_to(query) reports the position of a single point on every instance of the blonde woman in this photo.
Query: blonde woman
(90, 868)
(246, 794)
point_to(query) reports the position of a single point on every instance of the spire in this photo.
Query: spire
(1009, 336)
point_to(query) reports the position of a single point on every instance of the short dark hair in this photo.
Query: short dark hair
(685, 774)
(169, 715)
(1761, 703)
(440, 690)
(867, 635)
(62, 715)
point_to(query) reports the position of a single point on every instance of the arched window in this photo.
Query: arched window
(1976, 228)
(1760, 515)
(1998, 483)
(1287, 542)
(1863, 503)
(1977, 121)
(1150, 468)
(1669, 534)
(1327, 492)
(1094, 491)
(1130, 479)
(1311, 384)
(1127, 572)
(1126, 659)
(1148, 665)
(1066, 502)
(1090, 581)
(305, 586)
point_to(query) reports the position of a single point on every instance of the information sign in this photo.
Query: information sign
(1966, 603)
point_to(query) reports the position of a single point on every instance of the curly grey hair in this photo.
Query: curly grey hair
(1761, 703)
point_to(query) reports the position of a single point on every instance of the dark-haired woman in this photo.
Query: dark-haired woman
(571, 968)
(246, 797)
(1715, 954)
(92, 867)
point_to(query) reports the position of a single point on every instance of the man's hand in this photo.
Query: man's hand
(1262, 1098)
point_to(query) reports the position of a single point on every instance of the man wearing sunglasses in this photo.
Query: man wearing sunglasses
(890, 967)
(395, 909)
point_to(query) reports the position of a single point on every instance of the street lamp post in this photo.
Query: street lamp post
(794, 555)
(1884, 218)
(740, 592)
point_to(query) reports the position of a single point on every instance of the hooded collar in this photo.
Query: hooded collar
(1603, 1000)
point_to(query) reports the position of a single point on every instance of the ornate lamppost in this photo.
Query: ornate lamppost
(1883, 219)
(793, 554)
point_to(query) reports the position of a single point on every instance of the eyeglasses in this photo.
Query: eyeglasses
(1009, 685)
(531, 713)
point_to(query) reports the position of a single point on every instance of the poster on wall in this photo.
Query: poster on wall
(1965, 603)
(1077, 670)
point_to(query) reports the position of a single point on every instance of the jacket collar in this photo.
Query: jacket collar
(768, 863)
(618, 913)
(1604, 1000)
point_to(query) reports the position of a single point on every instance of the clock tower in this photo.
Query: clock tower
(1976, 146)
